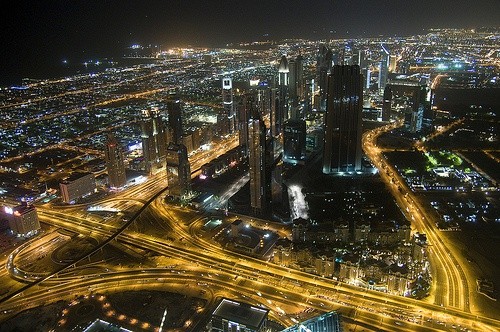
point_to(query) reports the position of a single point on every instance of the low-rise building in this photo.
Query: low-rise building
(22, 219)
(76, 186)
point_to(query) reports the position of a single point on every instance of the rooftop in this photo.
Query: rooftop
(241, 313)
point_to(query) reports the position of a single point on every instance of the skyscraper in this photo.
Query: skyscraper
(296, 86)
(294, 141)
(115, 163)
(243, 114)
(257, 161)
(383, 68)
(153, 140)
(387, 104)
(342, 142)
(323, 67)
(178, 170)
(299, 74)
(283, 93)
(415, 113)
(227, 117)
(174, 110)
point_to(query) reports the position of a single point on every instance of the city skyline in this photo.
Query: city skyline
(44, 37)
(307, 183)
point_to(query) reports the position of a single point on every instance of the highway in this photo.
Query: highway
(249, 277)
(451, 287)
(171, 233)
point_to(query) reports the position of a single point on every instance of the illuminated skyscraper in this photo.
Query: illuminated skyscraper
(115, 163)
(323, 67)
(383, 68)
(299, 74)
(393, 61)
(174, 110)
(296, 86)
(154, 143)
(178, 170)
(414, 114)
(226, 119)
(257, 161)
(387, 104)
(342, 143)
(283, 93)
(294, 141)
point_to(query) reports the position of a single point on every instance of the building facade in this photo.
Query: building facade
(294, 141)
(115, 163)
(154, 140)
(342, 142)
(178, 170)
(77, 186)
(23, 219)
(257, 161)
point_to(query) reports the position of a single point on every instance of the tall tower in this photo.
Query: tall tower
(296, 85)
(114, 163)
(153, 140)
(387, 104)
(415, 113)
(174, 109)
(299, 83)
(342, 142)
(294, 141)
(283, 93)
(383, 68)
(257, 161)
(228, 109)
(323, 67)
(178, 170)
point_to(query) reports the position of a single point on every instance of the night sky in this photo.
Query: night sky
(38, 35)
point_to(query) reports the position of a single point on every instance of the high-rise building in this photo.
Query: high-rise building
(243, 115)
(414, 115)
(295, 87)
(174, 110)
(232, 316)
(368, 78)
(292, 82)
(323, 67)
(22, 219)
(178, 170)
(294, 141)
(362, 63)
(299, 74)
(387, 104)
(115, 163)
(226, 119)
(342, 143)
(257, 161)
(283, 93)
(393, 62)
(154, 142)
(383, 68)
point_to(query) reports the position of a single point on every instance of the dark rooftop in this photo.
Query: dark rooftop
(241, 313)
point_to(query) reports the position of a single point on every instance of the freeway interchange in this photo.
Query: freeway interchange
(172, 234)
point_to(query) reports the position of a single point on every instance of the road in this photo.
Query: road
(171, 233)
(451, 287)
